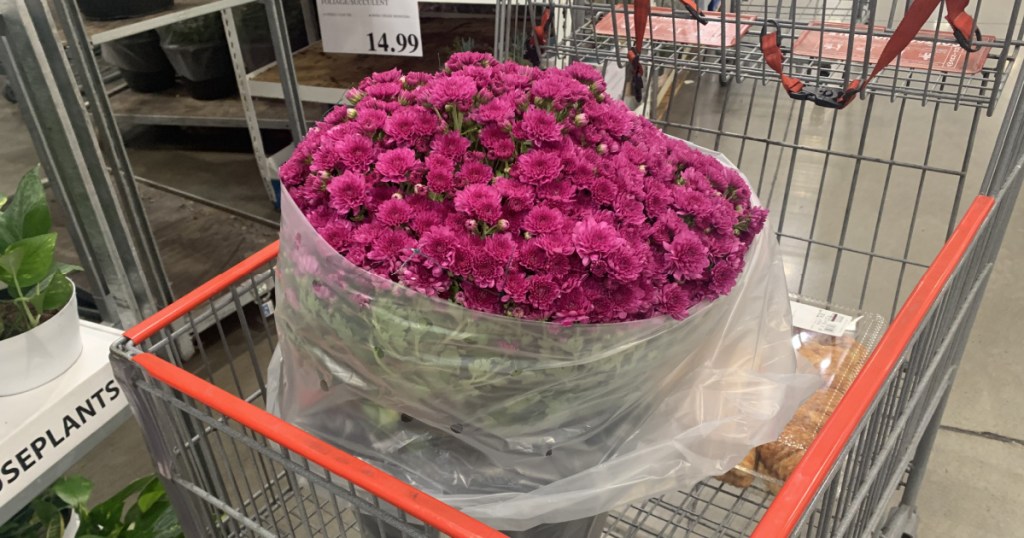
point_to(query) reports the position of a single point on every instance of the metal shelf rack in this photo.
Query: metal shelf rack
(48, 50)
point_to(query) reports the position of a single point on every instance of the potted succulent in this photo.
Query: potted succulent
(199, 53)
(121, 9)
(39, 331)
(142, 62)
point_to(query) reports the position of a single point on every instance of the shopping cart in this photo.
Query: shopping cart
(870, 206)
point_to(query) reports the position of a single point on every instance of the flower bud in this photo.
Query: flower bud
(354, 95)
(602, 148)
(527, 235)
(580, 120)
(397, 196)
(323, 175)
(351, 113)
(470, 224)
(503, 225)
(643, 167)
(420, 189)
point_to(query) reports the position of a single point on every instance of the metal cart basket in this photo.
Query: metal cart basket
(869, 203)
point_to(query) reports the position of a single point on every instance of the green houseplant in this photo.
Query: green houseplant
(39, 333)
(140, 510)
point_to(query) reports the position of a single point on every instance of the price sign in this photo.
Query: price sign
(384, 27)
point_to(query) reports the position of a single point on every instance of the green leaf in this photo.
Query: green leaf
(109, 511)
(67, 268)
(28, 214)
(74, 490)
(52, 293)
(26, 262)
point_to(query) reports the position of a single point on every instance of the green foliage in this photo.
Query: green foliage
(32, 283)
(140, 510)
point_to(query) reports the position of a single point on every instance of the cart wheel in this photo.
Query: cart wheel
(9, 93)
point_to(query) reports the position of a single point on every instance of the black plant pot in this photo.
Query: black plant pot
(206, 68)
(213, 88)
(142, 62)
(104, 10)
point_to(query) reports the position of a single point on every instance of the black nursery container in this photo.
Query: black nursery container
(104, 10)
(142, 62)
(199, 53)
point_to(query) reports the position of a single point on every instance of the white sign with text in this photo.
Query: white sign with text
(381, 27)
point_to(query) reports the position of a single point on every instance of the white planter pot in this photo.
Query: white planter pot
(38, 356)
(74, 522)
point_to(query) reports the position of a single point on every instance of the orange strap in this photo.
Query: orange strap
(538, 38)
(913, 21)
(642, 12)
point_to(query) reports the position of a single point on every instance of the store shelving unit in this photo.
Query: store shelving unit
(74, 117)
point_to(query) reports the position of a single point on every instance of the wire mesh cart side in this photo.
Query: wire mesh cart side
(233, 469)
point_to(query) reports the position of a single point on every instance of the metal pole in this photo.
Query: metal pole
(248, 108)
(286, 68)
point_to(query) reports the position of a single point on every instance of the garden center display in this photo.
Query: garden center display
(501, 286)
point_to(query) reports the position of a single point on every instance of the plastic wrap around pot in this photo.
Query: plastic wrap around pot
(520, 423)
(140, 53)
(197, 49)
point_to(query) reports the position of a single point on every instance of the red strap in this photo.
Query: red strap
(914, 19)
(773, 58)
(641, 12)
(540, 32)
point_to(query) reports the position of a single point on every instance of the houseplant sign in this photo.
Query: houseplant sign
(505, 288)
(39, 331)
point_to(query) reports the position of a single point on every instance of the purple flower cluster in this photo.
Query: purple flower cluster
(525, 192)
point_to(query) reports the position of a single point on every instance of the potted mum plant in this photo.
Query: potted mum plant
(505, 288)
(121, 9)
(39, 331)
(199, 53)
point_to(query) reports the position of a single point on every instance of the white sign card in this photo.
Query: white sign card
(820, 320)
(380, 27)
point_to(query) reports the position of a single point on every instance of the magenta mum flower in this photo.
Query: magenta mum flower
(537, 167)
(357, 152)
(457, 90)
(394, 212)
(686, 256)
(538, 126)
(480, 201)
(525, 192)
(542, 219)
(347, 192)
(395, 164)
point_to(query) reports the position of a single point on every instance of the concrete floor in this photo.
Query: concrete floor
(974, 482)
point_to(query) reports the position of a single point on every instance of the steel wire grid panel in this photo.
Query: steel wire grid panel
(226, 478)
(229, 473)
(598, 31)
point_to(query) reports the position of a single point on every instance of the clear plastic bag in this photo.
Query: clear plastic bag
(838, 356)
(522, 423)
